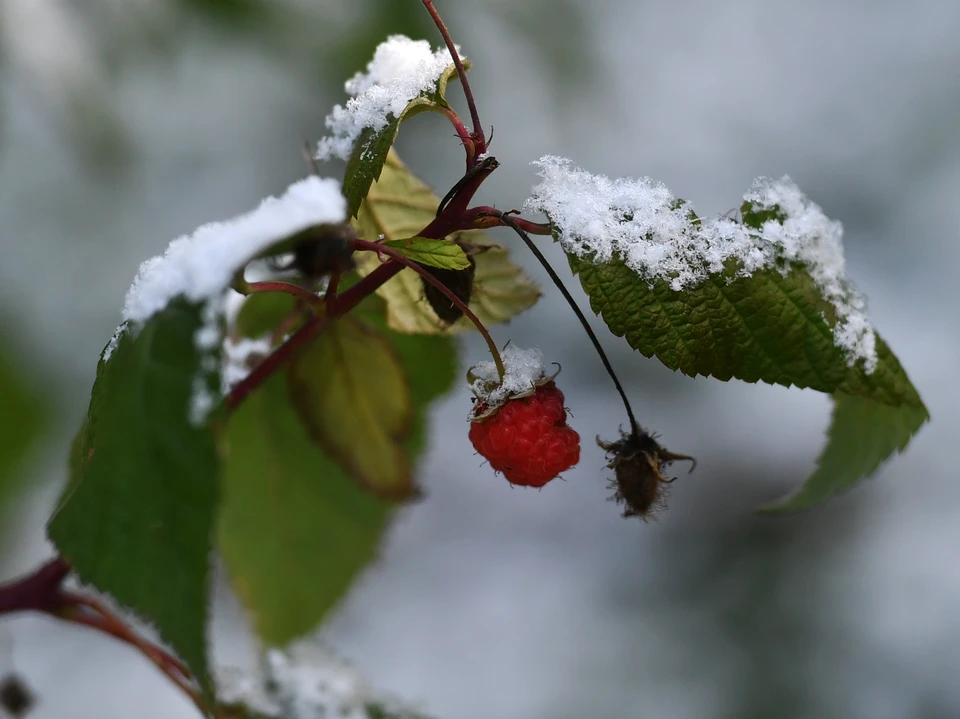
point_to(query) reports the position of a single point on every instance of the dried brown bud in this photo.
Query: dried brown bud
(638, 461)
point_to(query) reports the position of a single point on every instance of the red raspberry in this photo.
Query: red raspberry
(528, 438)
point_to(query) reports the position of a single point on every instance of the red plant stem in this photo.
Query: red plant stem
(299, 339)
(405, 261)
(484, 217)
(272, 362)
(286, 288)
(42, 591)
(38, 591)
(480, 141)
(463, 133)
(454, 203)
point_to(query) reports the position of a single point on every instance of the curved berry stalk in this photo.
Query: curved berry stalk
(637, 458)
(443, 289)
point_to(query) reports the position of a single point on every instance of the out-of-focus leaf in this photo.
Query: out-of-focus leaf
(399, 205)
(295, 528)
(22, 422)
(351, 393)
(137, 516)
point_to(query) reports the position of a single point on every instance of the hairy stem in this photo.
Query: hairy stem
(42, 591)
(463, 133)
(508, 221)
(427, 277)
(480, 142)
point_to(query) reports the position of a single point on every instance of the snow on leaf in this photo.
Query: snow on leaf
(305, 681)
(401, 70)
(201, 266)
(661, 239)
(404, 79)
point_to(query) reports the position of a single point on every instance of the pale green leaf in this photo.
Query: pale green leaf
(434, 253)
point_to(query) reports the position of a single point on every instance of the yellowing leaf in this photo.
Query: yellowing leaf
(354, 398)
(399, 205)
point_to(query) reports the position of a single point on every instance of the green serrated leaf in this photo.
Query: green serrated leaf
(137, 515)
(767, 327)
(399, 205)
(433, 253)
(372, 147)
(773, 326)
(352, 394)
(862, 435)
(295, 529)
(22, 423)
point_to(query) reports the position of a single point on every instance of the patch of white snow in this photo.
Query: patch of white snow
(524, 369)
(400, 71)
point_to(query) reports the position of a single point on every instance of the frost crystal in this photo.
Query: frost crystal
(400, 71)
(524, 368)
(660, 238)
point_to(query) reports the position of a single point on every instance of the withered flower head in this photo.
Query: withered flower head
(638, 461)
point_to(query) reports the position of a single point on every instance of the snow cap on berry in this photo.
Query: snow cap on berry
(524, 373)
(638, 460)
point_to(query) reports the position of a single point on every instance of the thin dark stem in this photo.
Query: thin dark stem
(462, 132)
(511, 223)
(479, 139)
(457, 302)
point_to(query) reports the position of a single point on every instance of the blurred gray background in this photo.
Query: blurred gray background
(126, 123)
